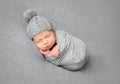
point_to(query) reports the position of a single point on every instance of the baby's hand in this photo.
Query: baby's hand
(55, 52)
(45, 52)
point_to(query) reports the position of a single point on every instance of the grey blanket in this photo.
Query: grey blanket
(72, 51)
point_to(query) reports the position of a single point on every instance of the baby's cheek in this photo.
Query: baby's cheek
(52, 40)
(38, 46)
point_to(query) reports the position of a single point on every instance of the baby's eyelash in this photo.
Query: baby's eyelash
(47, 35)
(39, 40)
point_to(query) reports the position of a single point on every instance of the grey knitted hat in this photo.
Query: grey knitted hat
(36, 24)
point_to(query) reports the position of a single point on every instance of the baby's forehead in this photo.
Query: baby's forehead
(42, 34)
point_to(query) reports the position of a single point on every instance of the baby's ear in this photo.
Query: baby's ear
(29, 14)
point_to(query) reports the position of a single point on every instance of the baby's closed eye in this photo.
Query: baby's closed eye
(48, 35)
(37, 41)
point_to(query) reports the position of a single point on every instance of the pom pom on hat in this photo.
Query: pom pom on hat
(29, 14)
(36, 24)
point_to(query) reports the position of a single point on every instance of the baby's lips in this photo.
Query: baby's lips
(47, 47)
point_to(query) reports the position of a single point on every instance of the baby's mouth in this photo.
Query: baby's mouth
(48, 47)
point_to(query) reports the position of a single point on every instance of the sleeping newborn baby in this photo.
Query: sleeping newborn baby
(57, 46)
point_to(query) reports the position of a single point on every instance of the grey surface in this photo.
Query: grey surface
(96, 22)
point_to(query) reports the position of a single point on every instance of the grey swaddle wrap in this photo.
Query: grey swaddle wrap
(72, 51)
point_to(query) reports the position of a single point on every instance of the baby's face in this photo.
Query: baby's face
(44, 40)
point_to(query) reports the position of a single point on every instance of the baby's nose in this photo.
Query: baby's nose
(45, 41)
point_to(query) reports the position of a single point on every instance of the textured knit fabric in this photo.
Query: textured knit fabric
(36, 24)
(72, 51)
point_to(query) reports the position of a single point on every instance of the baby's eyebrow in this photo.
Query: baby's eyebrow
(47, 35)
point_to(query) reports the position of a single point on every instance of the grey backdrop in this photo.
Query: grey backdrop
(96, 22)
